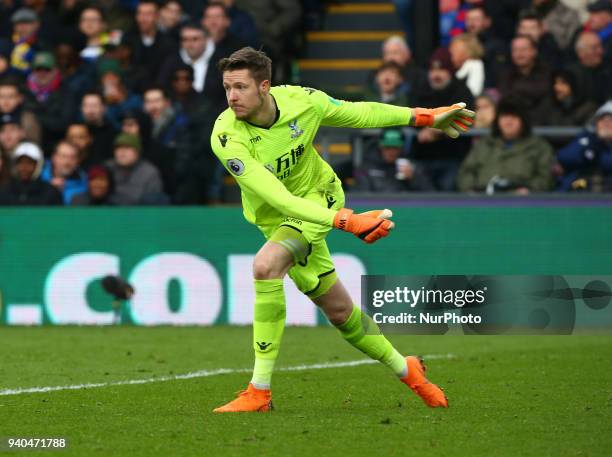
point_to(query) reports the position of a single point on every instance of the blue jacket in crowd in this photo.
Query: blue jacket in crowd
(583, 156)
(76, 184)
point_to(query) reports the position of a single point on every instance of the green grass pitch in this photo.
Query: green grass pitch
(509, 395)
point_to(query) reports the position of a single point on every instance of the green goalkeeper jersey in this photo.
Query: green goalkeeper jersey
(276, 167)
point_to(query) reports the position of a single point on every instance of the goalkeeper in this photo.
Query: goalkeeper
(264, 139)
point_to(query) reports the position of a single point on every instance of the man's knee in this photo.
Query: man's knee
(263, 268)
(339, 315)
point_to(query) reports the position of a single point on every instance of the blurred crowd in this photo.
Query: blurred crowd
(112, 102)
(518, 64)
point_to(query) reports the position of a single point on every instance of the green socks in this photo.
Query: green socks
(268, 326)
(363, 333)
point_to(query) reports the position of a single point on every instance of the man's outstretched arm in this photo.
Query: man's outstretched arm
(452, 120)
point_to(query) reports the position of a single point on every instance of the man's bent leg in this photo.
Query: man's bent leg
(358, 328)
(362, 332)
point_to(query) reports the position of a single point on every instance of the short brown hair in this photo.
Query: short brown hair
(257, 62)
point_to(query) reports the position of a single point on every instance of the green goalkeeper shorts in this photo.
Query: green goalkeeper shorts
(313, 272)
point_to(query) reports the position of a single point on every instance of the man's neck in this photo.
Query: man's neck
(266, 116)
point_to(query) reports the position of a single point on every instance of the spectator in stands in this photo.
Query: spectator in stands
(78, 135)
(11, 134)
(169, 144)
(587, 161)
(511, 159)
(216, 22)
(93, 112)
(389, 81)
(6, 71)
(385, 170)
(242, 24)
(136, 180)
(592, 74)
(5, 169)
(486, 110)
(564, 106)
(504, 16)
(531, 25)
(395, 49)
(527, 78)
(559, 19)
(26, 188)
(149, 46)
(50, 26)
(77, 75)
(99, 191)
(170, 19)
(496, 53)
(11, 103)
(278, 23)
(135, 78)
(63, 171)
(466, 54)
(54, 105)
(117, 97)
(600, 22)
(93, 25)
(26, 26)
(440, 156)
(199, 52)
(205, 171)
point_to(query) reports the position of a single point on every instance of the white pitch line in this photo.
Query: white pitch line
(199, 374)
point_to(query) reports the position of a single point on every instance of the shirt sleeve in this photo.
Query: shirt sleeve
(254, 178)
(339, 113)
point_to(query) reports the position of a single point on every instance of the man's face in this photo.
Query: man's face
(590, 50)
(215, 22)
(170, 14)
(44, 75)
(531, 28)
(476, 22)
(79, 136)
(244, 96)
(93, 109)
(439, 78)
(459, 53)
(154, 103)
(65, 160)
(65, 56)
(25, 167)
(599, 20)
(10, 99)
(523, 53)
(26, 29)
(146, 17)
(604, 128)
(10, 136)
(510, 126)
(98, 187)
(388, 80)
(193, 42)
(390, 154)
(91, 23)
(182, 82)
(395, 52)
(126, 156)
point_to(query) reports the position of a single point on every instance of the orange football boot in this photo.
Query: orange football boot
(431, 394)
(249, 400)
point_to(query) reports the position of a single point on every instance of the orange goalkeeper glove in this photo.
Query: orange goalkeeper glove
(369, 227)
(452, 120)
